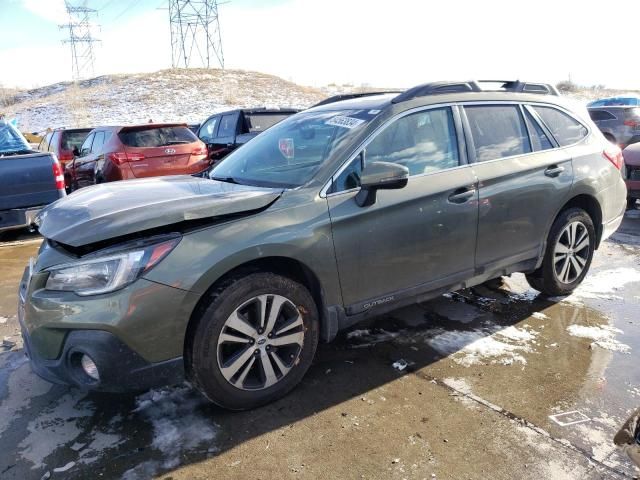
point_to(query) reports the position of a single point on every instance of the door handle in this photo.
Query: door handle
(553, 171)
(461, 195)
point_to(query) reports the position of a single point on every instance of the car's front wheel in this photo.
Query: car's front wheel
(568, 254)
(254, 340)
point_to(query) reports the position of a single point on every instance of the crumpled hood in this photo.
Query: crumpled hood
(112, 210)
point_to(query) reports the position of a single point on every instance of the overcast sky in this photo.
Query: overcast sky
(315, 42)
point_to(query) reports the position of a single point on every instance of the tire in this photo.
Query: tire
(221, 360)
(631, 203)
(558, 278)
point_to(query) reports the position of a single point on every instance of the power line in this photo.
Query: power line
(80, 39)
(195, 33)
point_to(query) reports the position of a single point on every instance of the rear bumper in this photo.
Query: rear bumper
(611, 226)
(120, 368)
(18, 218)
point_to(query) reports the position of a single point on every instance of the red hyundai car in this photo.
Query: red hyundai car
(126, 152)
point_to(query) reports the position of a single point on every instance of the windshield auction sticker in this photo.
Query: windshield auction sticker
(345, 122)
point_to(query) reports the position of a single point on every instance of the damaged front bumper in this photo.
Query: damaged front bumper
(134, 336)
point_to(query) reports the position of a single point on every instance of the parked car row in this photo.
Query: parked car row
(110, 153)
(618, 118)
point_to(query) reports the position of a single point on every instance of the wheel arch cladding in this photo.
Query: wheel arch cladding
(590, 205)
(284, 266)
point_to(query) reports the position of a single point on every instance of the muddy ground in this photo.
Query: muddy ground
(481, 381)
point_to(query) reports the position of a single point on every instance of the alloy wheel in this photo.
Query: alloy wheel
(571, 252)
(260, 342)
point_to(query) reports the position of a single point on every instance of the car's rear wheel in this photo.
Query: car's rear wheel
(568, 254)
(254, 341)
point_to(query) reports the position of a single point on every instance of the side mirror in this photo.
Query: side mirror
(380, 176)
(76, 152)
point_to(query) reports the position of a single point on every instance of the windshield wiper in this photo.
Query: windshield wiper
(175, 142)
(227, 180)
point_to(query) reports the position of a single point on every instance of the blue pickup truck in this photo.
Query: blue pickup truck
(29, 180)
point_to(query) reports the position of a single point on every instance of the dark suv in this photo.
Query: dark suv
(226, 131)
(334, 215)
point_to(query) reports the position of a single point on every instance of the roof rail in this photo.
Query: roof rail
(349, 96)
(437, 88)
(521, 87)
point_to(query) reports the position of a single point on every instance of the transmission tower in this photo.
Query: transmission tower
(195, 33)
(80, 39)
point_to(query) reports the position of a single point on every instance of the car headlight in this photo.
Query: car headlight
(107, 273)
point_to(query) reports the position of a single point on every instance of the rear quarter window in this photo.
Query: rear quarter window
(566, 129)
(227, 126)
(600, 115)
(157, 136)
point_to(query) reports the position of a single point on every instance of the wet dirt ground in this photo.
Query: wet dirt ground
(478, 376)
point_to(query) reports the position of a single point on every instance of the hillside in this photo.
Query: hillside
(175, 96)
(164, 96)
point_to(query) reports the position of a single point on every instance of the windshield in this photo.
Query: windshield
(11, 140)
(289, 153)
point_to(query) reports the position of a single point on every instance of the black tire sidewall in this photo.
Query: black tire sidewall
(204, 368)
(551, 284)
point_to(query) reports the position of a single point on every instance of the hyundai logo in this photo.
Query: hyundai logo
(169, 150)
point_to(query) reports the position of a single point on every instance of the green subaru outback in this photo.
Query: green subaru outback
(337, 214)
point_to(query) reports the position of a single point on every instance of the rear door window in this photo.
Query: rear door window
(86, 146)
(566, 129)
(55, 141)
(98, 141)
(227, 126)
(258, 122)
(157, 136)
(539, 139)
(208, 130)
(498, 131)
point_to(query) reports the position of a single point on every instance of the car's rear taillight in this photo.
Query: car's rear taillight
(119, 158)
(199, 150)
(614, 155)
(58, 175)
(65, 155)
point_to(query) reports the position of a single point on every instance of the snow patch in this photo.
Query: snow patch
(56, 426)
(603, 284)
(602, 336)
(479, 347)
(178, 425)
(540, 316)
